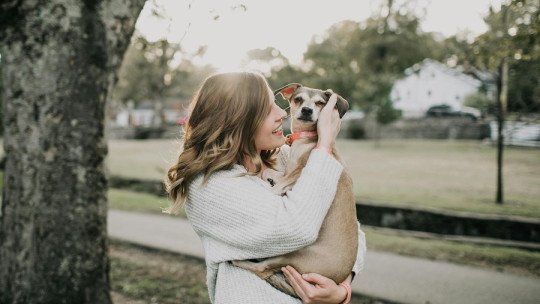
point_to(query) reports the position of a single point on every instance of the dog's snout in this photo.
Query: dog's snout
(307, 111)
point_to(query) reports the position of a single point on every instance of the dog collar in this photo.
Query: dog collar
(300, 135)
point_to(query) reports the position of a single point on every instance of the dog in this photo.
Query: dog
(334, 252)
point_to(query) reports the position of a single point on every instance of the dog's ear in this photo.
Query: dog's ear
(342, 105)
(287, 90)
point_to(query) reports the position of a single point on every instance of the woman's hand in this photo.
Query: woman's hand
(314, 288)
(328, 124)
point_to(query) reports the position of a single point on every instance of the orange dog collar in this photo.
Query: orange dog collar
(300, 135)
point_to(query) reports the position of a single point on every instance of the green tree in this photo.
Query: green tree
(480, 101)
(154, 71)
(362, 60)
(515, 38)
(510, 50)
(59, 62)
(144, 72)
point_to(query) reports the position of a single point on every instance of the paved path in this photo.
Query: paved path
(386, 276)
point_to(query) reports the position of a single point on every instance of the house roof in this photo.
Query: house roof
(441, 67)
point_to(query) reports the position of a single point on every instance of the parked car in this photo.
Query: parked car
(448, 111)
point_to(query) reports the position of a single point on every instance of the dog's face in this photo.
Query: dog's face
(306, 104)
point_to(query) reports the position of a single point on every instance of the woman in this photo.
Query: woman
(233, 134)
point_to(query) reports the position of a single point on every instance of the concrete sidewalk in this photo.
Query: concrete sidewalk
(386, 276)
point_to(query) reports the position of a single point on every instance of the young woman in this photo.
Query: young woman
(233, 134)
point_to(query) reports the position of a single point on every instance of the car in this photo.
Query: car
(448, 111)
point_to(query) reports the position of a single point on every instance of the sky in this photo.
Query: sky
(229, 31)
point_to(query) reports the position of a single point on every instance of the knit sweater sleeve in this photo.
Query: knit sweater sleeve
(361, 254)
(243, 215)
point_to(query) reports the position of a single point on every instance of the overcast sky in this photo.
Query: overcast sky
(287, 25)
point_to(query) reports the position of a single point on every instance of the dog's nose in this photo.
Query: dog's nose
(307, 111)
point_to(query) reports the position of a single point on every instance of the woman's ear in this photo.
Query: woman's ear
(287, 90)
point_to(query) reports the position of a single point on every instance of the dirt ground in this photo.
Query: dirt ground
(141, 275)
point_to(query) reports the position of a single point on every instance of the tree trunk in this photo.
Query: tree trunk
(59, 62)
(502, 105)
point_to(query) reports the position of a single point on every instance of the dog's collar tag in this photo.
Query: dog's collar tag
(300, 135)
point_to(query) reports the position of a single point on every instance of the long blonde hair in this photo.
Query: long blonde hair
(224, 116)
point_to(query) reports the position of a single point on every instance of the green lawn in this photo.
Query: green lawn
(443, 174)
(499, 258)
(140, 275)
(136, 201)
(493, 257)
(454, 175)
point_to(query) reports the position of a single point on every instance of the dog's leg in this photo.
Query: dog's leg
(279, 281)
(272, 174)
(268, 271)
(259, 268)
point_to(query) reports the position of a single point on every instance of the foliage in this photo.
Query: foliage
(386, 113)
(361, 61)
(481, 102)
(364, 60)
(517, 40)
(158, 69)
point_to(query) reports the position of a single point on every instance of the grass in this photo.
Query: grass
(492, 257)
(451, 175)
(455, 175)
(156, 277)
(153, 276)
(137, 201)
(518, 261)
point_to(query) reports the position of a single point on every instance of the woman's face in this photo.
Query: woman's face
(269, 136)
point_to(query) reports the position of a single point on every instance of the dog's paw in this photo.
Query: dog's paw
(279, 190)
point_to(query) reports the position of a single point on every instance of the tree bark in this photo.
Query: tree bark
(502, 104)
(60, 60)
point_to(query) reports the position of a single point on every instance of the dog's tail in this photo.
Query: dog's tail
(279, 281)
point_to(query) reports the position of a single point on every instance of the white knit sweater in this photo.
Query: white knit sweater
(240, 218)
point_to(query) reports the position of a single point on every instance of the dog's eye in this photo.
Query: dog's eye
(298, 99)
(320, 103)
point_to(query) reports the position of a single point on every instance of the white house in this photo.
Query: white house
(431, 83)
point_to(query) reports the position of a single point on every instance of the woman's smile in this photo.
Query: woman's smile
(278, 131)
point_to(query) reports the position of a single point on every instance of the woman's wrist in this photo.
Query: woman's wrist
(347, 292)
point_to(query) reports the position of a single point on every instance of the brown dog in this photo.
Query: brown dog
(334, 252)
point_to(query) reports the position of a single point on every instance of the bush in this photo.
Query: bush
(480, 102)
(356, 131)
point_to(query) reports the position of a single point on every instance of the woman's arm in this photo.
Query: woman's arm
(245, 216)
